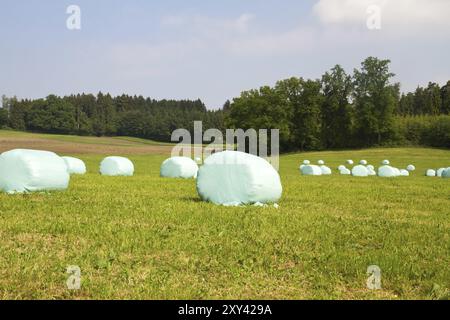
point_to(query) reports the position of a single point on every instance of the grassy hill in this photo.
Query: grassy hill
(148, 237)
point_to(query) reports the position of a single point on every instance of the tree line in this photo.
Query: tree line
(343, 110)
(104, 115)
(340, 110)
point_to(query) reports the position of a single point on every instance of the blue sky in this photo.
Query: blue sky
(209, 49)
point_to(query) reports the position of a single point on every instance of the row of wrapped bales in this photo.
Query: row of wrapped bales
(23, 170)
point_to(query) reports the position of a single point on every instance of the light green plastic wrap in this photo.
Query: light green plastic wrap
(116, 166)
(179, 167)
(74, 165)
(24, 170)
(233, 178)
(360, 171)
(311, 170)
(446, 173)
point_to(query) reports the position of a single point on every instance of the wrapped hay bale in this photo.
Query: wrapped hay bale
(372, 172)
(74, 165)
(430, 173)
(350, 162)
(311, 170)
(341, 167)
(411, 168)
(24, 170)
(179, 167)
(370, 167)
(325, 170)
(404, 173)
(345, 172)
(116, 166)
(446, 173)
(320, 162)
(440, 171)
(305, 163)
(363, 162)
(236, 178)
(387, 171)
(360, 171)
(386, 162)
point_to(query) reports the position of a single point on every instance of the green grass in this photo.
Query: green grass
(145, 237)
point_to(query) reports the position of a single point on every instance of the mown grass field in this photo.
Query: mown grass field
(145, 237)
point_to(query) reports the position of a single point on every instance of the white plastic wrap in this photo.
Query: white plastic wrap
(404, 173)
(350, 162)
(440, 171)
(387, 171)
(385, 162)
(311, 170)
(371, 172)
(363, 162)
(179, 167)
(370, 167)
(325, 170)
(345, 172)
(341, 167)
(24, 170)
(411, 168)
(446, 173)
(430, 173)
(360, 171)
(116, 166)
(320, 162)
(234, 178)
(74, 165)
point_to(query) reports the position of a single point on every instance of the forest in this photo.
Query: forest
(337, 111)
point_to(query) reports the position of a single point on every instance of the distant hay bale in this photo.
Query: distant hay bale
(23, 170)
(235, 178)
(404, 173)
(341, 167)
(345, 171)
(179, 167)
(370, 167)
(387, 171)
(430, 173)
(311, 170)
(116, 166)
(440, 171)
(411, 168)
(325, 170)
(74, 165)
(350, 162)
(363, 162)
(360, 171)
(385, 162)
(446, 173)
(320, 162)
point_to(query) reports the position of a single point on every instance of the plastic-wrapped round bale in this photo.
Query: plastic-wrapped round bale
(325, 170)
(345, 172)
(363, 162)
(411, 167)
(404, 173)
(372, 172)
(311, 170)
(440, 171)
(24, 170)
(179, 167)
(360, 171)
(370, 167)
(341, 167)
(430, 173)
(446, 173)
(116, 166)
(74, 165)
(387, 171)
(236, 178)
(349, 162)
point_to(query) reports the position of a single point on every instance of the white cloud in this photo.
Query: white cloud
(401, 15)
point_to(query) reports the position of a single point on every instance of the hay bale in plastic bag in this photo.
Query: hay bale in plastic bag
(349, 162)
(411, 168)
(446, 173)
(386, 162)
(404, 173)
(370, 167)
(430, 173)
(360, 171)
(234, 178)
(341, 167)
(363, 162)
(387, 171)
(24, 170)
(179, 167)
(371, 171)
(116, 166)
(345, 172)
(74, 165)
(440, 171)
(325, 170)
(311, 170)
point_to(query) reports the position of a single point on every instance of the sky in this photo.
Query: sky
(213, 50)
